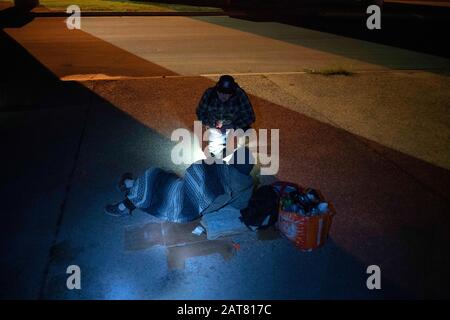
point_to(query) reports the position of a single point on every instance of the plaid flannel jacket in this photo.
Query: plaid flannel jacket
(237, 110)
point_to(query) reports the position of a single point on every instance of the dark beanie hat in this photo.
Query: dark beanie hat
(226, 84)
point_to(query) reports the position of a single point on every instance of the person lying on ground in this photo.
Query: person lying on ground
(204, 188)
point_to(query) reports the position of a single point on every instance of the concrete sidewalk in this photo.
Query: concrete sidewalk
(68, 142)
(269, 60)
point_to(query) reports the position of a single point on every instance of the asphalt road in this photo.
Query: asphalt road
(268, 55)
(139, 78)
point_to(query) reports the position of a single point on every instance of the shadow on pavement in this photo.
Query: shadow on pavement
(411, 27)
(62, 163)
(13, 17)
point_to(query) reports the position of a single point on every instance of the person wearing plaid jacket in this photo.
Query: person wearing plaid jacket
(223, 107)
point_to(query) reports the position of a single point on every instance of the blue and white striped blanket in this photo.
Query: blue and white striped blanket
(205, 188)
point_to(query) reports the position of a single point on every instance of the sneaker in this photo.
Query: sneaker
(113, 210)
(121, 184)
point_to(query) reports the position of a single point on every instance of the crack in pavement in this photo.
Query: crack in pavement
(65, 198)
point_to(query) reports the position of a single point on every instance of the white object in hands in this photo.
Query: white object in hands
(198, 230)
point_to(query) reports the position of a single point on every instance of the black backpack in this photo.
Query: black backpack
(263, 203)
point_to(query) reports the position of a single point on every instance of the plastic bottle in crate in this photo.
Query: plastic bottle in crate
(309, 229)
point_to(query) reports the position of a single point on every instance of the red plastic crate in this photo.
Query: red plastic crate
(307, 233)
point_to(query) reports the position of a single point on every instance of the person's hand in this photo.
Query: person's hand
(205, 128)
(219, 124)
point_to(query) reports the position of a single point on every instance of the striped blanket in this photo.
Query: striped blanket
(204, 188)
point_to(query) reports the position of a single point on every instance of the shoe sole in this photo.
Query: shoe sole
(116, 215)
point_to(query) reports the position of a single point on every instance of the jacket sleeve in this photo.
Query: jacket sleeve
(246, 115)
(202, 109)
